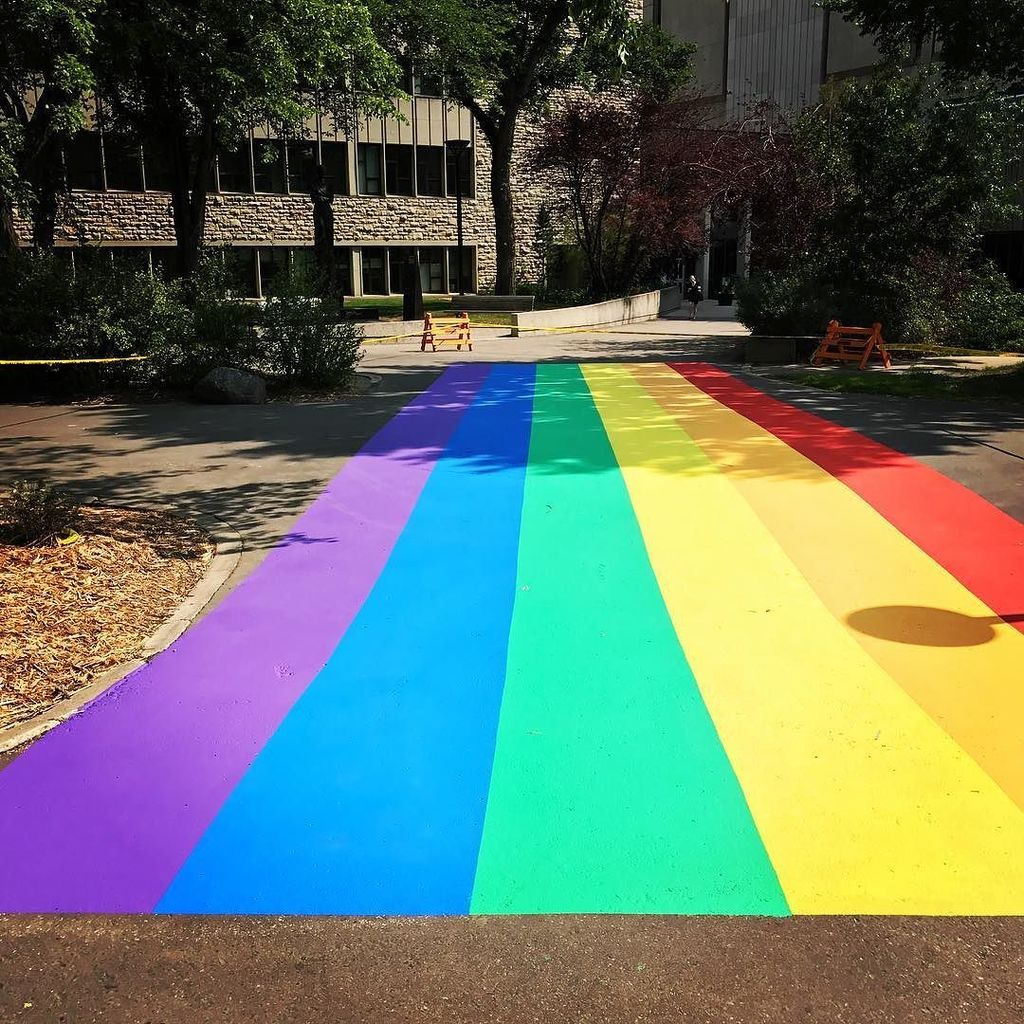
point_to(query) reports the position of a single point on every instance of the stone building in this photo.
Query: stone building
(394, 182)
(393, 179)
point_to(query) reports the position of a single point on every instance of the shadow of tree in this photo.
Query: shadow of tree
(257, 467)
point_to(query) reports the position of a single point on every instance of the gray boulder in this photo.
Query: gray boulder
(228, 386)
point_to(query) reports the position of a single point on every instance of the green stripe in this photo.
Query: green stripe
(610, 791)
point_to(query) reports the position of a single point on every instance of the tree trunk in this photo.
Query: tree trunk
(193, 173)
(504, 211)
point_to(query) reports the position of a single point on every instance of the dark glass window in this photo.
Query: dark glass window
(335, 158)
(164, 258)
(123, 163)
(273, 266)
(268, 165)
(429, 171)
(302, 162)
(465, 159)
(373, 272)
(234, 169)
(84, 162)
(343, 256)
(370, 183)
(467, 269)
(397, 259)
(240, 261)
(304, 267)
(399, 170)
(432, 270)
(156, 159)
(130, 257)
(427, 85)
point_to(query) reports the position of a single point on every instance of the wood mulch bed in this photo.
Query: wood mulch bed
(69, 613)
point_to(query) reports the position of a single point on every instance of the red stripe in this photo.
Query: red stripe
(976, 542)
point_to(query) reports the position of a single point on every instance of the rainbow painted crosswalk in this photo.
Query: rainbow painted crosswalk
(570, 639)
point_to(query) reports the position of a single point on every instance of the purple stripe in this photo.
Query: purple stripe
(101, 813)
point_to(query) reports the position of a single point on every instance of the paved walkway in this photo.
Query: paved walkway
(463, 681)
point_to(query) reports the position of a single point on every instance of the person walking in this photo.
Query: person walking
(694, 295)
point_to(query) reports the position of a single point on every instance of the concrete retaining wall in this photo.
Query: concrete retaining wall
(634, 308)
(770, 350)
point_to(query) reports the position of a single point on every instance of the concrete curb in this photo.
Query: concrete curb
(227, 552)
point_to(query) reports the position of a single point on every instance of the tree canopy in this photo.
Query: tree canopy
(635, 182)
(897, 179)
(192, 76)
(45, 70)
(504, 58)
(976, 37)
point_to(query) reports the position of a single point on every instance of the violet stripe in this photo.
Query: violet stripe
(100, 814)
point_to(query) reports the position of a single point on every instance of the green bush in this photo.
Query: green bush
(37, 513)
(301, 337)
(215, 329)
(104, 309)
(986, 313)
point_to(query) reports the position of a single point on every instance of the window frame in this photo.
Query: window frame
(363, 149)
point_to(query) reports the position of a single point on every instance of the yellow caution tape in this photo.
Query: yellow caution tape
(68, 362)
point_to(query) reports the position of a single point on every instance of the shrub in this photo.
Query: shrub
(302, 340)
(986, 313)
(38, 513)
(102, 309)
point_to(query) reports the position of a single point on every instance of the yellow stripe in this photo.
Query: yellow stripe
(864, 804)
(934, 637)
(69, 362)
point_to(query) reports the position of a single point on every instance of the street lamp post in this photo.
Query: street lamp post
(457, 147)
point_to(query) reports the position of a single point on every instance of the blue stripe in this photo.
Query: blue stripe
(370, 797)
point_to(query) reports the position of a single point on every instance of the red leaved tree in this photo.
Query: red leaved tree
(638, 181)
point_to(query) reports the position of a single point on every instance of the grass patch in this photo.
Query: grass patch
(1004, 382)
(390, 307)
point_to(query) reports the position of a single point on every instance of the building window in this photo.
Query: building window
(373, 272)
(302, 164)
(430, 170)
(343, 259)
(432, 270)
(465, 159)
(369, 169)
(83, 162)
(335, 160)
(240, 262)
(268, 165)
(398, 261)
(234, 169)
(122, 162)
(427, 85)
(163, 260)
(130, 258)
(273, 264)
(398, 170)
(467, 269)
(158, 167)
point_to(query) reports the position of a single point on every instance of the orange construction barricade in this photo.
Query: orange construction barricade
(460, 328)
(843, 344)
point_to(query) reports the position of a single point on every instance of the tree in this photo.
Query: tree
(636, 181)
(502, 60)
(190, 77)
(902, 178)
(979, 37)
(45, 48)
